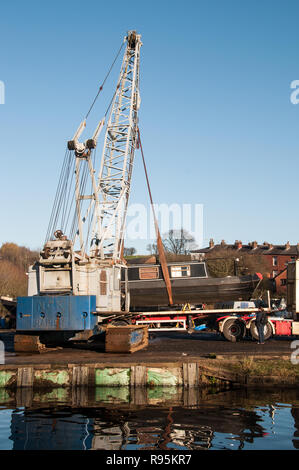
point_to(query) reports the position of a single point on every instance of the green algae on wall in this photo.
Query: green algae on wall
(6, 377)
(114, 377)
(57, 378)
(164, 377)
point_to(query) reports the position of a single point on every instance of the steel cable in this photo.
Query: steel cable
(63, 203)
(107, 75)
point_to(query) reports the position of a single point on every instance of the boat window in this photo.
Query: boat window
(149, 272)
(180, 271)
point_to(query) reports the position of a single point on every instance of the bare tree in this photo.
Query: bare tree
(18, 255)
(14, 263)
(152, 248)
(179, 242)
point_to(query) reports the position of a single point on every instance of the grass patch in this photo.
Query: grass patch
(262, 367)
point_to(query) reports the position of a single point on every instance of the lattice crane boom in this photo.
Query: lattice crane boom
(101, 189)
(114, 179)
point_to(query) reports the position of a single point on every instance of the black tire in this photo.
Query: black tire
(233, 330)
(254, 332)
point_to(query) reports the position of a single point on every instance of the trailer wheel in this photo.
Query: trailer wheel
(254, 332)
(233, 330)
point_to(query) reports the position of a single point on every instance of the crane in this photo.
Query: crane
(109, 200)
(81, 274)
(81, 270)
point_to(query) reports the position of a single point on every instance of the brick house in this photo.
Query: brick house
(280, 281)
(277, 257)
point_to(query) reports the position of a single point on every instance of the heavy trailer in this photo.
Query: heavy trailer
(233, 324)
(237, 325)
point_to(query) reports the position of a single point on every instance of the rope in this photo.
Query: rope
(63, 205)
(159, 240)
(57, 198)
(101, 87)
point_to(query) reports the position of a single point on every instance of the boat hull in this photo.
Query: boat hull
(153, 293)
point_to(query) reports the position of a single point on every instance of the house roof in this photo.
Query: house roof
(253, 248)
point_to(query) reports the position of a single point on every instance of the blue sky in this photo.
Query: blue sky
(217, 123)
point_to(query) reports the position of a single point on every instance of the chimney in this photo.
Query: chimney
(223, 243)
(254, 245)
(238, 244)
(211, 243)
(270, 246)
(287, 245)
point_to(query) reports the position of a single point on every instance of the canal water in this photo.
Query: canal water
(149, 419)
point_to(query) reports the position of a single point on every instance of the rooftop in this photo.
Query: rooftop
(252, 248)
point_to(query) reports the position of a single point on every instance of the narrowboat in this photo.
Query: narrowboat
(190, 283)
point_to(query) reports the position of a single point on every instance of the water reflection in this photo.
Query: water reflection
(120, 418)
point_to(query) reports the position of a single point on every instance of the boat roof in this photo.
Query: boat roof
(172, 263)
